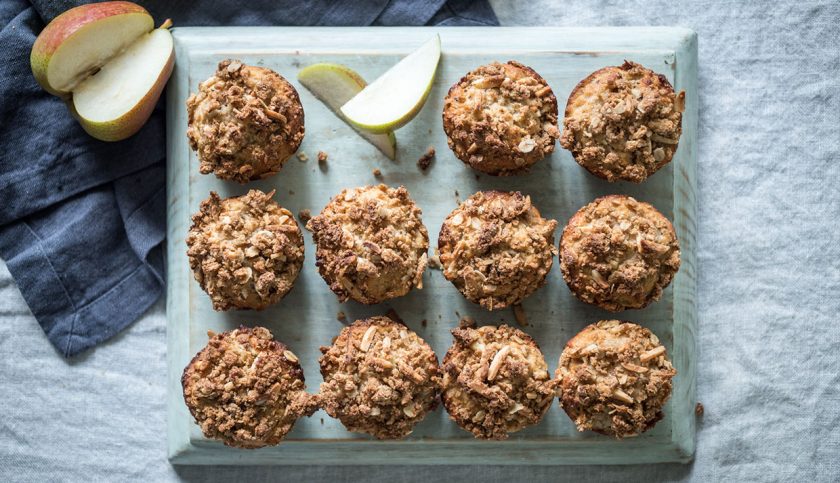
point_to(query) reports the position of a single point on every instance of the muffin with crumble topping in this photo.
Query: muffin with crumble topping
(614, 378)
(371, 244)
(246, 251)
(623, 122)
(619, 253)
(496, 248)
(246, 389)
(244, 122)
(495, 381)
(501, 118)
(380, 378)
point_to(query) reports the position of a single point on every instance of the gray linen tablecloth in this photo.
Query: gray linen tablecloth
(769, 286)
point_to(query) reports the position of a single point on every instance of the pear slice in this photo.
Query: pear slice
(334, 85)
(393, 99)
(115, 102)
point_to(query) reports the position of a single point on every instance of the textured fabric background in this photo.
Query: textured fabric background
(769, 286)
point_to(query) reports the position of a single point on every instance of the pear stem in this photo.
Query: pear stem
(166, 24)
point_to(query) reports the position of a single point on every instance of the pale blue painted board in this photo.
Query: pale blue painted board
(306, 319)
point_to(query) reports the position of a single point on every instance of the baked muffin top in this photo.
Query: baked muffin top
(623, 122)
(246, 389)
(501, 118)
(244, 122)
(245, 251)
(619, 253)
(371, 244)
(495, 381)
(496, 248)
(380, 378)
(614, 378)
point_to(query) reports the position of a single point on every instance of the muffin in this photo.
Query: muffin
(614, 379)
(623, 123)
(496, 248)
(501, 118)
(495, 381)
(246, 389)
(371, 244)
(619, 253)
(244, 122)
(380, 378)
(245, 251)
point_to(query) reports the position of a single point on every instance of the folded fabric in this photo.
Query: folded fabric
(82, 221)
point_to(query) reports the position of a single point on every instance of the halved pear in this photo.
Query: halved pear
(334, 85)
(115, 102)
(393, 99)
(82, 39)
(107, 63)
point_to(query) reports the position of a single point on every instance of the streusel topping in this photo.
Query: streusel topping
(246, 252)
(501, 118)
(244, 122)
(619, 253)
(496, 248)
(615, 377)
(380, 378)
(623, 122)
(495, 381)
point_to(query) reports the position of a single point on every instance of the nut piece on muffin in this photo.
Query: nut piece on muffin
(501, 118)
(619, 253)
(623, 123)
(246, 389)
(495, 381)
(371, 244)
(380, 378)
(496, 248)
(614, 378)
(246, 252)
(244, 122)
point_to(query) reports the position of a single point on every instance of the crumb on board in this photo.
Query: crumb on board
(466, 321)
(302, 157)
(322, 157)
(426, 159)
(519, 314)
(699, 409)
(341, 316)
(377, 173)
(434, 261)
(304, 215)
(423, 322)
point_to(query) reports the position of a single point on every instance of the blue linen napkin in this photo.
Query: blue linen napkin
(82, 221)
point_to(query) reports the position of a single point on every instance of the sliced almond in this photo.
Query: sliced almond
(367, 338)
(497, 362)
(652, 354)
(290, 356)
(623, 396)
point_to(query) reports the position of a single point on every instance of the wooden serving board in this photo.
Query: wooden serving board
(306, 318)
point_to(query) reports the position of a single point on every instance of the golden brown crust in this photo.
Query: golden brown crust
(619, 253)
(372, 245)
(246, 252)
(244, 122)
(501, 118)
(380, 378)
(623, 122)
(614, 377)
(495, 381)
(246, 389)
(496, 248)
